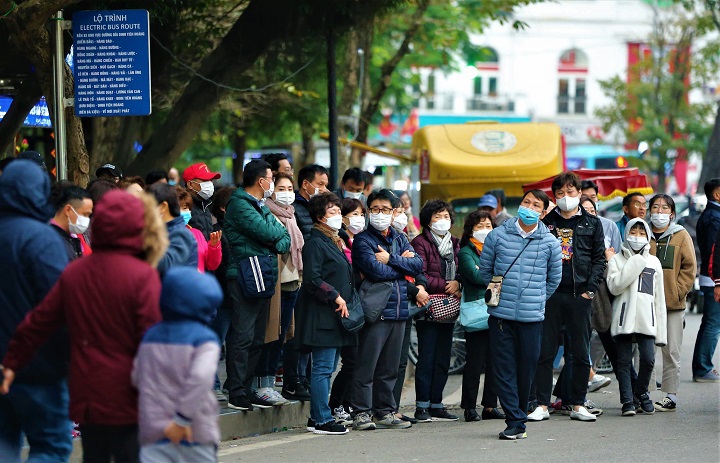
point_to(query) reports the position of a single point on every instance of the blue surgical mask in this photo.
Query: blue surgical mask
(186, 215)
(528, 216)
(172, 182)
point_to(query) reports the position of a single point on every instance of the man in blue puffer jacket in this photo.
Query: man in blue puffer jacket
(381, 254)
(528, 256)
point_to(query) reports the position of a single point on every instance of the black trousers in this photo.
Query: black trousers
(646, 347)
(402, 367)
(514, 347)
(477, 361)
(573, 312)
(103, 444)
(611, 350)
(245, 339)
(342, 385)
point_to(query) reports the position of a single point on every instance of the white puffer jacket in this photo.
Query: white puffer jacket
(637, 281)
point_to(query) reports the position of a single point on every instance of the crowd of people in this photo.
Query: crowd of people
(120, 298)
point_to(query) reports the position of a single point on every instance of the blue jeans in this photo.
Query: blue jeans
(40, 412)
(325, 360)
(708, 334)
(221, 326)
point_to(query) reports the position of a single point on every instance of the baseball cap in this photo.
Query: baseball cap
(33, 156)
(200, 171)
(110, 169)
(488, 201)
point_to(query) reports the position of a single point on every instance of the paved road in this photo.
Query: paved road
(691, 434)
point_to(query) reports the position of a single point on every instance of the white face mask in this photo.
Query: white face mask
(481, 234)
(284, 198)
(334, 222)
(207, 189)
(636, 243)
(441, 227)
(269, 192)
(316, 190)
(400, 222)
(350, 194)
(380, 221)
(356, 224)
(81, 224)
(568, 203)
(660, 220)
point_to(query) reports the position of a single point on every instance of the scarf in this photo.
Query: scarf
(478, 245)
(445, 247)
(286, 216)
(332, 234)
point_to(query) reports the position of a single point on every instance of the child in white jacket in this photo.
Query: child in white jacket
(639, 316)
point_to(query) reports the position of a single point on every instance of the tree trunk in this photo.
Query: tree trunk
(238, 51)
(711, 160)
(308, 145)
(386, 71)
(28, 31)
(113, 140)
(240, 146)
(23, 102)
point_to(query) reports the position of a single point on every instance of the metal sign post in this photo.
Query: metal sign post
(59, 84)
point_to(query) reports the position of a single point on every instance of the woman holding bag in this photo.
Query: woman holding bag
(438, 250)
(477, 341)
(324, 296)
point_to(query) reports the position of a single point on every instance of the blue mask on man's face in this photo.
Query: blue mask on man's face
(528, 216)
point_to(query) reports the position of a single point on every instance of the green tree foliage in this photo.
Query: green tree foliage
(653, 105)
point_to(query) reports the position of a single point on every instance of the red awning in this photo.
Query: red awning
(611, 182)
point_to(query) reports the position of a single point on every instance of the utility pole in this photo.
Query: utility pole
(332, 109)
(59, 84)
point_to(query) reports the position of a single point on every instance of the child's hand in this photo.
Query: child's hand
(176, 433)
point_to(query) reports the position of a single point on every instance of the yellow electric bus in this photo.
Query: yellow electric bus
(460, 162)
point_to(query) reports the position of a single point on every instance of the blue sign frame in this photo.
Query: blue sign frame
(112, 63)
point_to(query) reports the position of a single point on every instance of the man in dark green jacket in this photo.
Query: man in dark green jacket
(251, 230)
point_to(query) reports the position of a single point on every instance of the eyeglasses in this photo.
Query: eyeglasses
(640, 205)
(378, 210)
(661, 207)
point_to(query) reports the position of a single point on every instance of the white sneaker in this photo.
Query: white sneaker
(278, 397)
(539, 414)
(598, 382)
(582, 415)
(342, 417)
(266, 394)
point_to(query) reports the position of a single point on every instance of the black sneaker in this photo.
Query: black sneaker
(310, 425)
(493, 414)
(646, 405)
(295, 392)
(259, 402)
(422, 415)
(240, 403)
(306, 385)
(666, 405)
(441, 414)
(511, 433)
(628, 409)
(409, 419)
(472, 415)
(330, 428)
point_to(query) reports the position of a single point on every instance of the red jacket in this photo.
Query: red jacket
(108, 300)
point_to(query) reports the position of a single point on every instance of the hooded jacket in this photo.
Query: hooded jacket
(708, 227)
(534, 277)
(676, 253)
(180, 354)
(634, 278)
(32, 256)
(108, 300)
(183, 249)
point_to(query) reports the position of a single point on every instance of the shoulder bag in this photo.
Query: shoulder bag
(356, 318)
(473, 315)
(494, 288)
(443, 308)
(256, 277)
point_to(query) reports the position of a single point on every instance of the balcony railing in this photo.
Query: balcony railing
(571, 105)
(491, 103)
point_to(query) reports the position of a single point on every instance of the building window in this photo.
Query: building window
(486, 87)
(572, 82)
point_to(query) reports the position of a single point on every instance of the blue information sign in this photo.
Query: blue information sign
(112, 63)
(39, 115)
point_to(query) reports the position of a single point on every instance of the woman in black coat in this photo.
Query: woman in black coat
(326, 291)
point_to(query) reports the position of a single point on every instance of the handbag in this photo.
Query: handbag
(256, 277)
(443, 308)
(374, 297)
(494, 288)
(473, 315)
(356, 318)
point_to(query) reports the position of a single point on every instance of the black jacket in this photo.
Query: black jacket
(708, 227)
(221, 271)
(588, 260)
(302, 216)
(201, 215)
(72, 245)
(326, 274)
